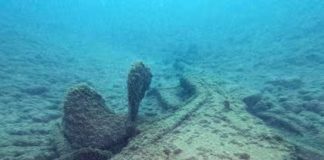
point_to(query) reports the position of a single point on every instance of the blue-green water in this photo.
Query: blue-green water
(272, 48)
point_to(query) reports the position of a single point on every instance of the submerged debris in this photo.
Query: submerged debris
(154, 92)
(139, 80)
(187, 88)
(227, 106)
(89, 130)
(252, 100)
(259, 107)
(88, 123)
(88, 154)
(306, 153)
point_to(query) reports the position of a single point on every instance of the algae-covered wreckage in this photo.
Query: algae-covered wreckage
(205, 123)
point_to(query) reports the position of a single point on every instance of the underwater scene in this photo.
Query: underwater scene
(161, 80)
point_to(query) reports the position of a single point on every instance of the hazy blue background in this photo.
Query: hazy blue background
(142, 25)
